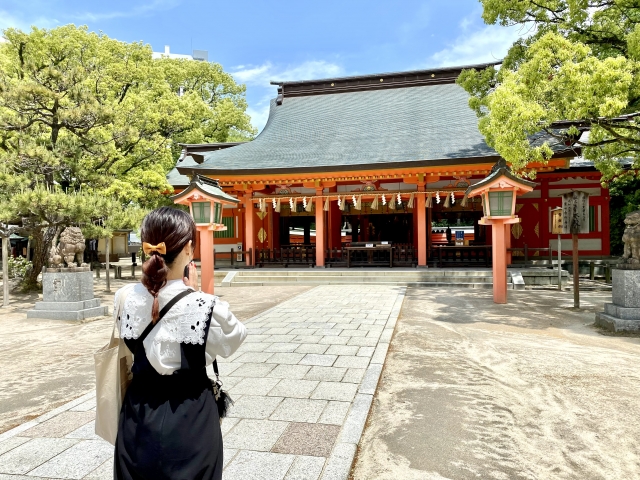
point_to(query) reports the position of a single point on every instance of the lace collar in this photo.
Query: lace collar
(184, 323)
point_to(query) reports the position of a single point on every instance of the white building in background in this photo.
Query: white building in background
(201, 55)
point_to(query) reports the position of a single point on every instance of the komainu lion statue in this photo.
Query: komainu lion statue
(71, 244)
(631, 237)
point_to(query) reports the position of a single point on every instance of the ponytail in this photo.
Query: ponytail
(154, 277)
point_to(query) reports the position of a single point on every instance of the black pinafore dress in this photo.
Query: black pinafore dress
(169, 427)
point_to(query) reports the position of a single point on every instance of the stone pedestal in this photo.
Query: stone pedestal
(624, 313)
(68, 295)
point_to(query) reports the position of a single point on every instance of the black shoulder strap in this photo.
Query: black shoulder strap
(163, 312)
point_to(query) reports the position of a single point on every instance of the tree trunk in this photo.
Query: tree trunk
(5, 271)
(42, 240)
(107, 249)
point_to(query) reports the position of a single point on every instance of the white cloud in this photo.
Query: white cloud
(147, 8)
(466, 22)
(258, 78)
(485, 45)
(252, 74)
(265, 73)
(259, 114)
(8, 20)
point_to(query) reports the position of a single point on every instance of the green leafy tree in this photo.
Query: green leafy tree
(576, 71)
(84, 118)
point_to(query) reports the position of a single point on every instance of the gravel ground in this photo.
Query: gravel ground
(529, 390)
(46, 363)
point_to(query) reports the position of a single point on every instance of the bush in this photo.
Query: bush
(18, 267)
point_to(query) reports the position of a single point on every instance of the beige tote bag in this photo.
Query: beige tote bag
(113, 375)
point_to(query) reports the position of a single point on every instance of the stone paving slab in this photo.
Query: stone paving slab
(303, 384)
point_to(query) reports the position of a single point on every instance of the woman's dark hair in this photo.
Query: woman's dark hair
(173, 227)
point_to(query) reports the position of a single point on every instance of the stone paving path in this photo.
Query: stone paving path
(303, 383)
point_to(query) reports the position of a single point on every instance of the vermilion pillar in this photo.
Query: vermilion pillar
(507, 243)
(334, 223)
(499, 261)
(320, 236)
(422, 229)
(206, 259)
(249, 231)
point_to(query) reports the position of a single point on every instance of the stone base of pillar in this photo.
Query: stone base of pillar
(623, 315)
(68, 296)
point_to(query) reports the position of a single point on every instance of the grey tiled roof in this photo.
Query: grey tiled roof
(175, 178)
(581, 162)
(430, 123)
(208, 186)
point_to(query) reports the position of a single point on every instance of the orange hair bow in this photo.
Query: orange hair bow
(148, 249)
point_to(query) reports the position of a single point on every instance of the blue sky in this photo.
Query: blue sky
(258, 41)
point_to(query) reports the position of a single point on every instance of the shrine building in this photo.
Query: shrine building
(372, 170)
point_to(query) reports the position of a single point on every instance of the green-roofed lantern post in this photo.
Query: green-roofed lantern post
(206, 201)
(498, 192)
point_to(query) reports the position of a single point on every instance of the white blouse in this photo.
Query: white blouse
(184, 323)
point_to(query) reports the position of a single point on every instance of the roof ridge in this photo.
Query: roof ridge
(402, 72)
(376, 81)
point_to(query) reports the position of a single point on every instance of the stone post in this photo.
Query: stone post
(624, 313)
(68, 295)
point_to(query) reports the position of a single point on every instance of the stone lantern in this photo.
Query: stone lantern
(498, 192)
(206, 200)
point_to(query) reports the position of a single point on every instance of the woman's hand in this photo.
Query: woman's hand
(192, 281)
